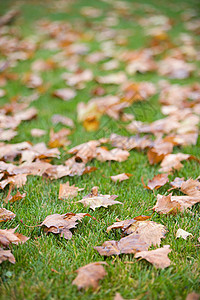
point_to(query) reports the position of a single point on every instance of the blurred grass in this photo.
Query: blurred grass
(31, 277)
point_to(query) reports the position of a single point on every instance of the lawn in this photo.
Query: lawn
(46, 264)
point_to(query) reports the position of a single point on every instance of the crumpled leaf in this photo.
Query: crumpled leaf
(61, 224)
(95, 200)
(115, 154)
(65, 94)
(148, 231)
(66, 191)
(89, 275)
(191, 187)
(159, 257)
(172, 204)
(6, 255)
(158, 181)
(59, 139)
(8, 236)
(129, 244)
(6, 215)
(182, 233)
(173, 162)
(18, 196)
(120, 177)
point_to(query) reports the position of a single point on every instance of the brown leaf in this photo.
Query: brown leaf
(115, 154)
(148, 231)
(63, 120)
(65, 94)
(193, 296)
(6, 255)
(66, 191)
(95, 200)
(18, 196)
(85, 152)
(159, 257)
(61, 224)
(191, 187)
(6, 215)
(165, 205)
(158, 181)
(89, 275)
(120, 177)
(59, 139)
(159, 151)
(8, 236)
(172, 204)
(129, 244)
(36, 132)
(176, 183)
(173, 162)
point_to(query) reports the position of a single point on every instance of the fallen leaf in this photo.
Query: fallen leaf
(120, 177)
(191, 187)
(36, 132)
(129, 244)
(95, 199)
(159, 257)
(63, 120)
(6, 255)
(182, 233)
(165, 205)
(8, 236)
(148, 231)
(158, 181)
(173, 162)
(6, 215)
(66, 191)
(18, 196)
(102, 154)
(89, 275)
(59, 139)
(61, 224)
(119, 297)
(65, 94)
(193, 296)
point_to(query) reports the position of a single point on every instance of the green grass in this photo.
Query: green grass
(31, 277)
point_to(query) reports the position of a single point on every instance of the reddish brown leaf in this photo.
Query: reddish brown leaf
(158, 181)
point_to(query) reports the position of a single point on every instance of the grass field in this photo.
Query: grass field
(32, 276)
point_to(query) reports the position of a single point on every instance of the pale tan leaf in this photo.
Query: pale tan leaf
(6, 215)
(120, 177)
(159, 257)
(182, 233)
(6, 255)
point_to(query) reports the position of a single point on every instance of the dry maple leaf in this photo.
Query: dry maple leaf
(6, 215)
(165, 205)
(173, 162)
(18, 196)
(159, 151)
(159, 257)
(8, 236)
(94, 200)
(191, 187)
(89, 275)
(148, 231)
(6, 255)
(61, 224)
(65, 94)
(129, 244)
(182, 233)
(85, 152)
(158, 181)
(120, 177)
(66, 191)
(116, 154)
(59, 139)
